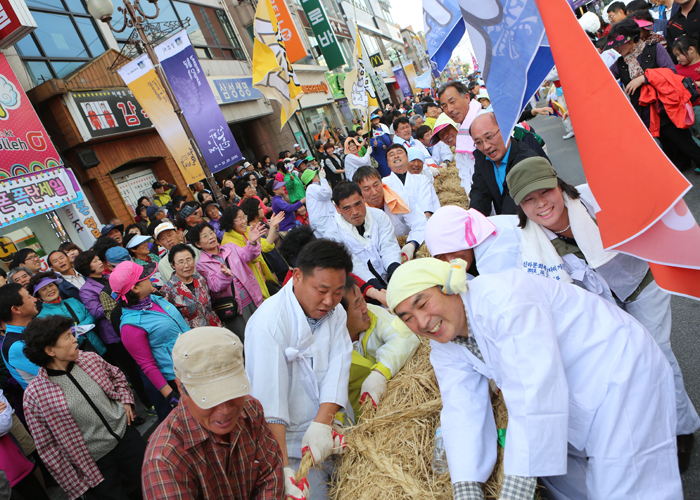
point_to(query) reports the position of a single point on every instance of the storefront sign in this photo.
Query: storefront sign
(24, 144)
(234, 89)
(109, 112)
(315, 89)
(85, 222)
(34, 193)
(323, 33)
(207, 122)
(376, 60)
(340, 28)
(336, 82)
(16, 22)
(292, 40)
(143, 81)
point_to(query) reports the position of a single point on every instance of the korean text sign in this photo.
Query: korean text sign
(34, 193)
(292, 40)
(143, 81)
(24, 144)
(323, 33)
(84, 221)
(235, 89)
(193, 93)
(109, 112)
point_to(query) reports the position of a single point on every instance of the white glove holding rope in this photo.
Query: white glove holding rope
(435, 172)
(294, 490)
(407, 251)
(374, 387)
(322, 172)
(322, 441)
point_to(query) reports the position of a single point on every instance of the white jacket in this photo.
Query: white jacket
(320, 207)
(292, 370)
(378, 246)
(566, 361)
(417, 187)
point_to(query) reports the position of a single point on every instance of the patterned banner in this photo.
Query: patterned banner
(444, 28)
(24, 144)
(35, 193)
(143, 81)
(193, 93)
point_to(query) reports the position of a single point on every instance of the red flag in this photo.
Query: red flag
(637, 187)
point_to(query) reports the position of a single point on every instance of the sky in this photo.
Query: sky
(410, 13)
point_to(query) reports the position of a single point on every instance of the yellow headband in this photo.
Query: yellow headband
(420, 274)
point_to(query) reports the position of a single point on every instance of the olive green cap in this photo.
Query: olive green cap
(530, 175)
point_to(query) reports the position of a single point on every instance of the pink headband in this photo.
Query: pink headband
(453, 229)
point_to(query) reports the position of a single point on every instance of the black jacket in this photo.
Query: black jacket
(484, 187)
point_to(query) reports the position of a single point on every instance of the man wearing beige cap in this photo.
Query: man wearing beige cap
(216, 445)
(167, 236)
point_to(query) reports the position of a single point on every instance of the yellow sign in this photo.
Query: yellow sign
(376, 60)
(7, 249)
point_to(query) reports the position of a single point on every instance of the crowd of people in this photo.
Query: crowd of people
(255, 326)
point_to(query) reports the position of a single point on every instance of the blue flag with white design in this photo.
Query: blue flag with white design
(513, 52)
(444, 28)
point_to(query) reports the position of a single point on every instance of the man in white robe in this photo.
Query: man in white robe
(407, 185)
(404, 216)
(367, 234)
(403, 136)
(319, 203)
(298, 354)
(589, 393)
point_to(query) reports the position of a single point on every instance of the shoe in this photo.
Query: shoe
(151, 411)
(685, 449)
(138, 421)
(568, 136)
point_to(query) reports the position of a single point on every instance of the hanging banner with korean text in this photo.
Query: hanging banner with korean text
(84, 220)
(35, 193)
(288, 30)
(110, 112)
(24, 144)
(143, 81)
(193, 93)
(323, 33)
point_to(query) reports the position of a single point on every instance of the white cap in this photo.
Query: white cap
(161, 228)
(137, 240)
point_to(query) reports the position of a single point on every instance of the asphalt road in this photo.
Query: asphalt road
(686, 313)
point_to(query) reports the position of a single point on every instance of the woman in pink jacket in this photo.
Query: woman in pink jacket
(225, 267)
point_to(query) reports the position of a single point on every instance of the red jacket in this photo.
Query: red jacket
(666, 87)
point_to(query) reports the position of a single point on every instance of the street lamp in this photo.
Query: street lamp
(134, 17)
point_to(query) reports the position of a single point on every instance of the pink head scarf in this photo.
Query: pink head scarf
(453, 229)
(126, 275)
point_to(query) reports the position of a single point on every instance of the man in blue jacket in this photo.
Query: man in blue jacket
(380, 142)
(17, 309)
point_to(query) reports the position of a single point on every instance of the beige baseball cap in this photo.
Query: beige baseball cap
(209, 363)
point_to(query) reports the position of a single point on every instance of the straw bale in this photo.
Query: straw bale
(390, 449)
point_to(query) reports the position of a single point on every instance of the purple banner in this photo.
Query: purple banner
(193, 93)
(401, 79)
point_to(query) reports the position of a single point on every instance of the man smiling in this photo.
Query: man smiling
(216, 444)
(298, 355)
(590, 395)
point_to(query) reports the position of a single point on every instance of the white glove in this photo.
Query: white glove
(322, 173)
(374, 386)
(322, 441)
(407, 251)
(294, 490)
(435, 171)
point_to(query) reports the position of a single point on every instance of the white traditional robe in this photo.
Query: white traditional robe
(575, 371)
(291, 370)
(320, 207)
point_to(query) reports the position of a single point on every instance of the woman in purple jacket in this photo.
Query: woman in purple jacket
(280, 203)
(97, 299)
(225, 267)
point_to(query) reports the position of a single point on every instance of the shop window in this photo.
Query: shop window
(67, 39)
(250, 29)
(210, 31)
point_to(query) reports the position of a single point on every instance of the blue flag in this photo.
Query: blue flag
(511, 46)
(444, 28)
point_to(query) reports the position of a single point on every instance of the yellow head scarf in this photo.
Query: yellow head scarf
(420, 274)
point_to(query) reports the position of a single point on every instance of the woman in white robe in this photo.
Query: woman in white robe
(560, 240)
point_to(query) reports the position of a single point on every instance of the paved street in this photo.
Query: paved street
(686, 312)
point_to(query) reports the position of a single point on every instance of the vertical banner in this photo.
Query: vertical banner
(402, 81)
(411, 75)
(323, 33)
(84, 220)
(193, 93)
(143, 81)
(24, 144)
(292, 40)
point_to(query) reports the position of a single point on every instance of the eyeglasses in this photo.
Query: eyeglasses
(241, 219)
(33, 257)
(489, 138)
(183, 262)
